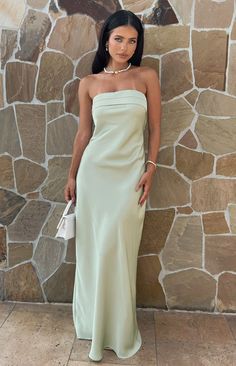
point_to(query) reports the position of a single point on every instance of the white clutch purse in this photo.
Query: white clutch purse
(66, 225)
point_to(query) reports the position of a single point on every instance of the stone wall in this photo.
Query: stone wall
(187, 257)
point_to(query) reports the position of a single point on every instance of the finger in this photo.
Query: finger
(66, 195)
(140, 184)
(73, 197)
(144, 195)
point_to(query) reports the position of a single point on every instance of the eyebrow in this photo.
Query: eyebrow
(118, 35)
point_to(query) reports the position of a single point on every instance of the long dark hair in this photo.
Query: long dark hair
(117, 19)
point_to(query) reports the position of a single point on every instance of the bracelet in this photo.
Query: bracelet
(152, 162)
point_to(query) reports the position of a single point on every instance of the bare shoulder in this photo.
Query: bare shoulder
(88, 82)
(85, 83)
(148, 73)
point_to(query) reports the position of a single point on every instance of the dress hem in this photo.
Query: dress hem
(112, 349)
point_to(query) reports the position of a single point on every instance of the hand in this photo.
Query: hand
(69, 192)
(145, 182)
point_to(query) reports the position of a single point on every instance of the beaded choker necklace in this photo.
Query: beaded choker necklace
(116, 71)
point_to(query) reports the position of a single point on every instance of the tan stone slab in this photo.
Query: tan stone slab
(6, 172)
(1, 92)
(146, 324)
(5, 309)
(217, 136)
(220, 253)
(177, 115)
(157, 224)
(9, 17)
(54, 110)
(169, 189)
(31, 118)
(212, 103)
(189, 140)
(32, 195)
(22, 284)
(213, 14)
(33, 32)
(186, 354)
(231, 320)
(53, 188)
(51, 337)
(37, 4)
(226, 300)
(149, 290)
(3, 248)
(232, 70)
(210, 194)
(19, 252)
(82, 39)
(50, 227)
(209, 58)
(61, 134)
(59, 287)
(71, 97)
(201, 163)
(226, 165)
(84, 66)
(192, 96)
(137, 6)
(65, 310)
(166, 156)
(29, 222)
(9, 138)
(160, 40)
(10, 205)
(190, 289)
(48, 256)
(2, 291)
(152, 62)
(20, 81)
(183, 247)
(185, 210)
(49, 85)
(215, 223)
(29, 176)
(183, 9)
(233, 33)
(71, 251)
(232, 215)
(194, 328)
(99, 11)
(172, 87)
(8, 43)
(160, 14)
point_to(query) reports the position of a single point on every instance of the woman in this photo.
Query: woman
(109, 181)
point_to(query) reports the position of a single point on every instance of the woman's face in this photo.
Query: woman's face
(122, 43)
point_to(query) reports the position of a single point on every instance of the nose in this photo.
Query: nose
(123, 46)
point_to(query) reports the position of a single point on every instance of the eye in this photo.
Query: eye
(117, 39)
(133, 41)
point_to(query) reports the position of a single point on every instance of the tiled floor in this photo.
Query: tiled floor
(43, 335)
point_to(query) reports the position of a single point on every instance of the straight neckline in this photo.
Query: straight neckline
(119, 91)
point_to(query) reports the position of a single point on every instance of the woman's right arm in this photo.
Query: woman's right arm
(82, 138)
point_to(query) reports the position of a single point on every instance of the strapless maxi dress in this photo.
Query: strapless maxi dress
(109, 223)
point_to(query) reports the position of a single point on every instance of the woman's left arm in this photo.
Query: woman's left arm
(154, 122)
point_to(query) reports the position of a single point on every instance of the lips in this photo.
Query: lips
(122, 55)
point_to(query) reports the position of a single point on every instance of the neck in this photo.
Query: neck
(116, 66)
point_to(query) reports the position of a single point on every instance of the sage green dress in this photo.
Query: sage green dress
(109, 225)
